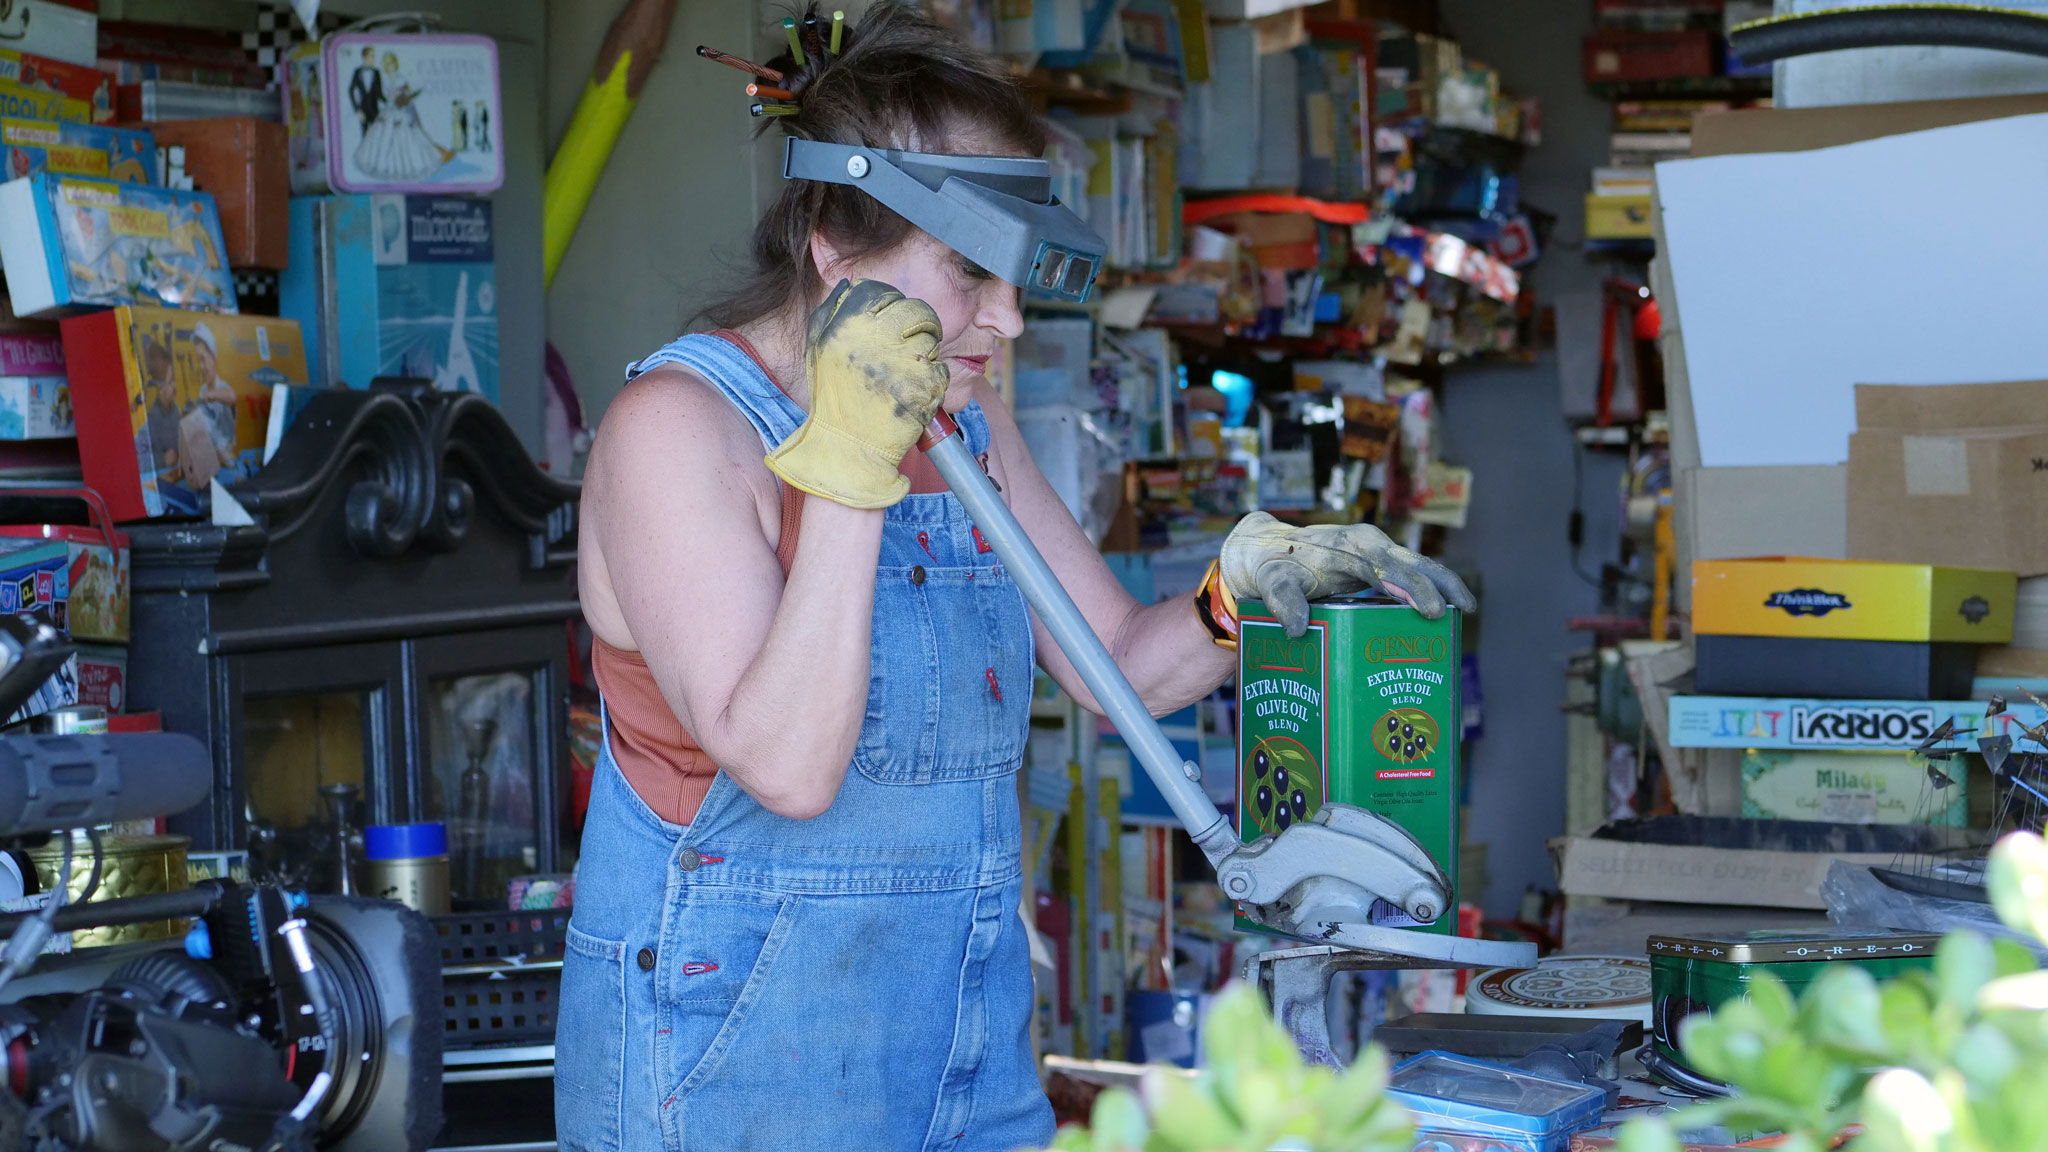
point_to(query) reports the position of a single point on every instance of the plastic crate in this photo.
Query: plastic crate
(467, 937)
(512, 1006)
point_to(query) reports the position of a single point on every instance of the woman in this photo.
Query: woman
(797, 922)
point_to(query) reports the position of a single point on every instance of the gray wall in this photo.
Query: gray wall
(1504, 421)
(668, 223)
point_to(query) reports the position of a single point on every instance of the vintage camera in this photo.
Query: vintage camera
(282, 1023)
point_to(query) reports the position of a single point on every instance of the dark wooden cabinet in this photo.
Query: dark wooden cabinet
(396, 616)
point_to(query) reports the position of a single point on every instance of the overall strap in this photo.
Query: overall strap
(727, 367)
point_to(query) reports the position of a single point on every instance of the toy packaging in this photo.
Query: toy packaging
(1362, 710)
(1463, 1103)
(103, 677)
(35, 408)
(38, 353)
(240, 161)
(72, 149)
(405, 284)
(35, 579)
(169, 401)
(96, 576)
(375, 111)
(44, 89)
(71, 243)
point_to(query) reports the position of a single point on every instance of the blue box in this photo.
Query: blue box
(71, 244)
(394, 285)
(1457, 1100)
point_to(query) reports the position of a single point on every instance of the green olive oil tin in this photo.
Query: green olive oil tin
(1363, 710)
(1691, 974)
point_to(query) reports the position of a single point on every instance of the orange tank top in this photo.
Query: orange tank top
(657, 757)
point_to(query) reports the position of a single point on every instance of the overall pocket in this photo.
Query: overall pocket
(720, 958)
(949, 690)
(590, 1032)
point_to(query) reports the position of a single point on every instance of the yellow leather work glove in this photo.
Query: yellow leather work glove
(875, 382)
(1285, 566)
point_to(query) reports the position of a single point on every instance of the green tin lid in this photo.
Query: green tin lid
(1780, 947)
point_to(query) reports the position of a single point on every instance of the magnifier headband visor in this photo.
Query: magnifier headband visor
(997, 211)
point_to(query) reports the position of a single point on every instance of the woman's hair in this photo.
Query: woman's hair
(899, 81)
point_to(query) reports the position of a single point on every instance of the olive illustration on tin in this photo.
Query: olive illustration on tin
(1283, 785)
(1406, 735)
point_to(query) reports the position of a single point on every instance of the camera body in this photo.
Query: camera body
(229, 1043)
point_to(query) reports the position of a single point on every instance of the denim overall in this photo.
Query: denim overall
(859, 981)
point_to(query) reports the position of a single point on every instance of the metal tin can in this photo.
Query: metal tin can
(72, 720)
(133, 866)
(1363, 710)
(408, 863)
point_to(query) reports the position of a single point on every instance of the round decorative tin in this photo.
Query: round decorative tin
(134, 866)
(1590, 987)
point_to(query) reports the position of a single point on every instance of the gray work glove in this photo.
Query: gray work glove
(1266, 559)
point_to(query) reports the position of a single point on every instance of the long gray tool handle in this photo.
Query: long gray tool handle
(1177, 779)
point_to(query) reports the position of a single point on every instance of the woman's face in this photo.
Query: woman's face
(975, 308)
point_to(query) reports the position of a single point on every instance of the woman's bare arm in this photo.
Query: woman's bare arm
(770, 678)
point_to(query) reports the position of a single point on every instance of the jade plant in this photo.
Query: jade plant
(1949, 1060)
(1253, 1093)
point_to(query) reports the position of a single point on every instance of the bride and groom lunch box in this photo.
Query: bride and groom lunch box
(376, 110)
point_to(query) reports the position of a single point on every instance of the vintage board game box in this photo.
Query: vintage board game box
(74, 149)
(393, 285)
(35, 579)
(1363, 710)
(1852, 600)
(44, 89)
(103, 676)
(70, 243)
(169, 401)
(32, 353)
(395, 112)
(35, 408)
(96, 576)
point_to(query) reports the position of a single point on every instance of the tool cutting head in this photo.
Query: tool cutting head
(998, 211)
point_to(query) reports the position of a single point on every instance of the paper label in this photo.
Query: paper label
(1936, 465)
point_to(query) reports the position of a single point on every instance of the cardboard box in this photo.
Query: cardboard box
(1951, 474)
(169, 401)
(46, 89)
(1684, 874)
(242, 163)
(103, 677)
(393, 285)
(35, 408)
(1852, 788)
(1847, 725)
(1778, 665)
(1617, 217)
(1746, 130)
(1807, 598)
(1619, 54)
(1731, 513)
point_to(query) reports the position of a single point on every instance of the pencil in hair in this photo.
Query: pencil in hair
(838, 22)
(732, 61)
(774, 110)
(769, 92)
(796, 48)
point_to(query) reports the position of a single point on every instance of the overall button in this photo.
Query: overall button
(917, 575)
(689, 859)
(646, 959)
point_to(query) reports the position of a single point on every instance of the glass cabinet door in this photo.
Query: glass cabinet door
(481, 779)
(490, 715)
(309, 759)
